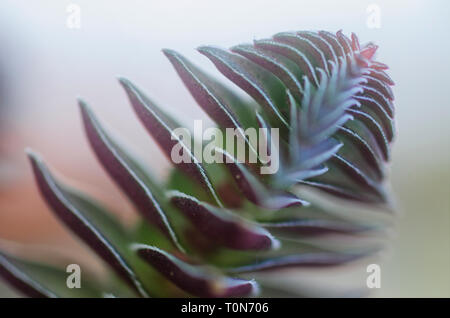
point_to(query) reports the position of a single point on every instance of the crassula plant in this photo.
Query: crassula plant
(325, 107)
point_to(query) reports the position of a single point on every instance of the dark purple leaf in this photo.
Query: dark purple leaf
(264, 87)
(359, 176)
(373, 128)
(334, 42)
(370, 156)
(380, 98)
(40, 280)
(196, 280)
(209, 94)
(66, 209)
(257, 192)
(160, 126)
(221, 104)
(291, 53)
(305, 45)
(315, 226)
(125, 172)
(345, 42)
(373, 109)
(347, 181)
(355, 42)
(322, 44)
(381, 75)
(21, 281)
(380, 86)
(285, 70)
(315, 260)
(222, 226)
(338, 191)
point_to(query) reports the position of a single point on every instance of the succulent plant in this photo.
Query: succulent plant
(212, 226)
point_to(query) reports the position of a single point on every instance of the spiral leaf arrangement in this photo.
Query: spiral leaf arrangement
(212, 226)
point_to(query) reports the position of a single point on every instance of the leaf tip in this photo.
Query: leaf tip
(169, 52)
(206, 50)
(84, 108)
(123, 80)
(30, 152)
(34, 158)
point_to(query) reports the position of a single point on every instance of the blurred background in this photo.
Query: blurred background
(48, 57)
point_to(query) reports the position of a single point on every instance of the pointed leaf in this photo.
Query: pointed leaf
(161, 128)
(380, 86)
(305, 45)
(315, 226)
(44, 281)
(124, 171)
(221, 104)
(293, 54)
(334, 42)
(368, 126)
(22, 281)
(381, 75)
(223, 227)
(264, 87)
(196, 280)
(254, 190)
(68, 207)
(373, 109)
(345, 42)
(284, 69)
(380, 98)
(360, 152)
(322, 44)
(313, 260)
(348, 181)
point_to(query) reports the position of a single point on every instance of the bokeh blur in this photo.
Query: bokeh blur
(46, 62)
